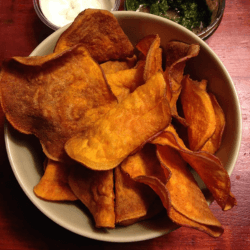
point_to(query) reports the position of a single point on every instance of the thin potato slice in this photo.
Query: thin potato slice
(145, 43)
(125, 129)
(214, 231)
(199, 113)
(55, 96)
(213, 144)
(177, 54)
(54, 185)
(100, 32)
(153, 59)
(207, 166)
(134, 201)
(125, 82)
(110, 67)
(185, 195)
(144, 167)
(95, 189)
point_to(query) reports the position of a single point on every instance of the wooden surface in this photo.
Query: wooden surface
(23, 226)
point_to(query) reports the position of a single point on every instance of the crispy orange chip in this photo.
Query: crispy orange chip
(100, 32)
(177, 54)
(95, 189)
(124, 129)
(144, 167)
(145, 43)
(134, 201)
(54, 185)
(125, 81)
(110, 67)
(185, 195)
(199, 113)
(56, 96)
(153, 59)
(207, 166)
(213, 144)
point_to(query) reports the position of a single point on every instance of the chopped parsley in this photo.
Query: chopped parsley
(191, 14)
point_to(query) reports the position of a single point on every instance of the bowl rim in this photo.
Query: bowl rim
(108, 238)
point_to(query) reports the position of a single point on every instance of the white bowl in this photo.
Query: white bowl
(25, 154)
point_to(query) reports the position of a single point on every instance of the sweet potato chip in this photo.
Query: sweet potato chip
(177, 54)
(144, 167)
(54, 97)
(207, 166)
(125, 81)
(153, 59)
(95, 189)
(145, 43)
(110, 67)
(124, 129)
(185, 195)
(199, 113)
(100, 32)
(213, 144)
(134, 201)
(214, 231)
(54, 184)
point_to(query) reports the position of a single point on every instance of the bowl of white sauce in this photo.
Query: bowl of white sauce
(58, 13)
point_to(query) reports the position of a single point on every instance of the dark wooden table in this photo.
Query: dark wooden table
(22, 226)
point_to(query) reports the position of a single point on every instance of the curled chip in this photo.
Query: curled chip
(153, 59)
(56, 96)
(125, 81)
(95, 189)
(100, 32)
(177, 54)
(54, 184)
(145, 43)
(213, 144)
(124, 129)
(110, 67)
(207, 166)
(199, 113)
(134, 201)
(187, 200)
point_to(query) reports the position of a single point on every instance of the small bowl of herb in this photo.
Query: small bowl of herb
(201, 16)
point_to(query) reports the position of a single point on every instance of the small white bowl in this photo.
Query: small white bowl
(111, 5)
(26, 157)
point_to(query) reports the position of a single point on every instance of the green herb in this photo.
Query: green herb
(189, 13)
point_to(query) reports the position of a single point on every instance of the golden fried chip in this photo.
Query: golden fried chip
(177, 54)
(100, 32)
(185, 195)
(124, 129)
(125, 81)
(95, 189)
(213, 144)
(153, 59)
(214, 231)
(145, 43)
(54, 184)
(144, 167)
(110, 67)
(134, 201)
(199, 113)
(54, 97)
(207, 166)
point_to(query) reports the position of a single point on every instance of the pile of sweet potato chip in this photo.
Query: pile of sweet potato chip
(121, 126)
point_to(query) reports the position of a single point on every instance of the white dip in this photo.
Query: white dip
(62, 12)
